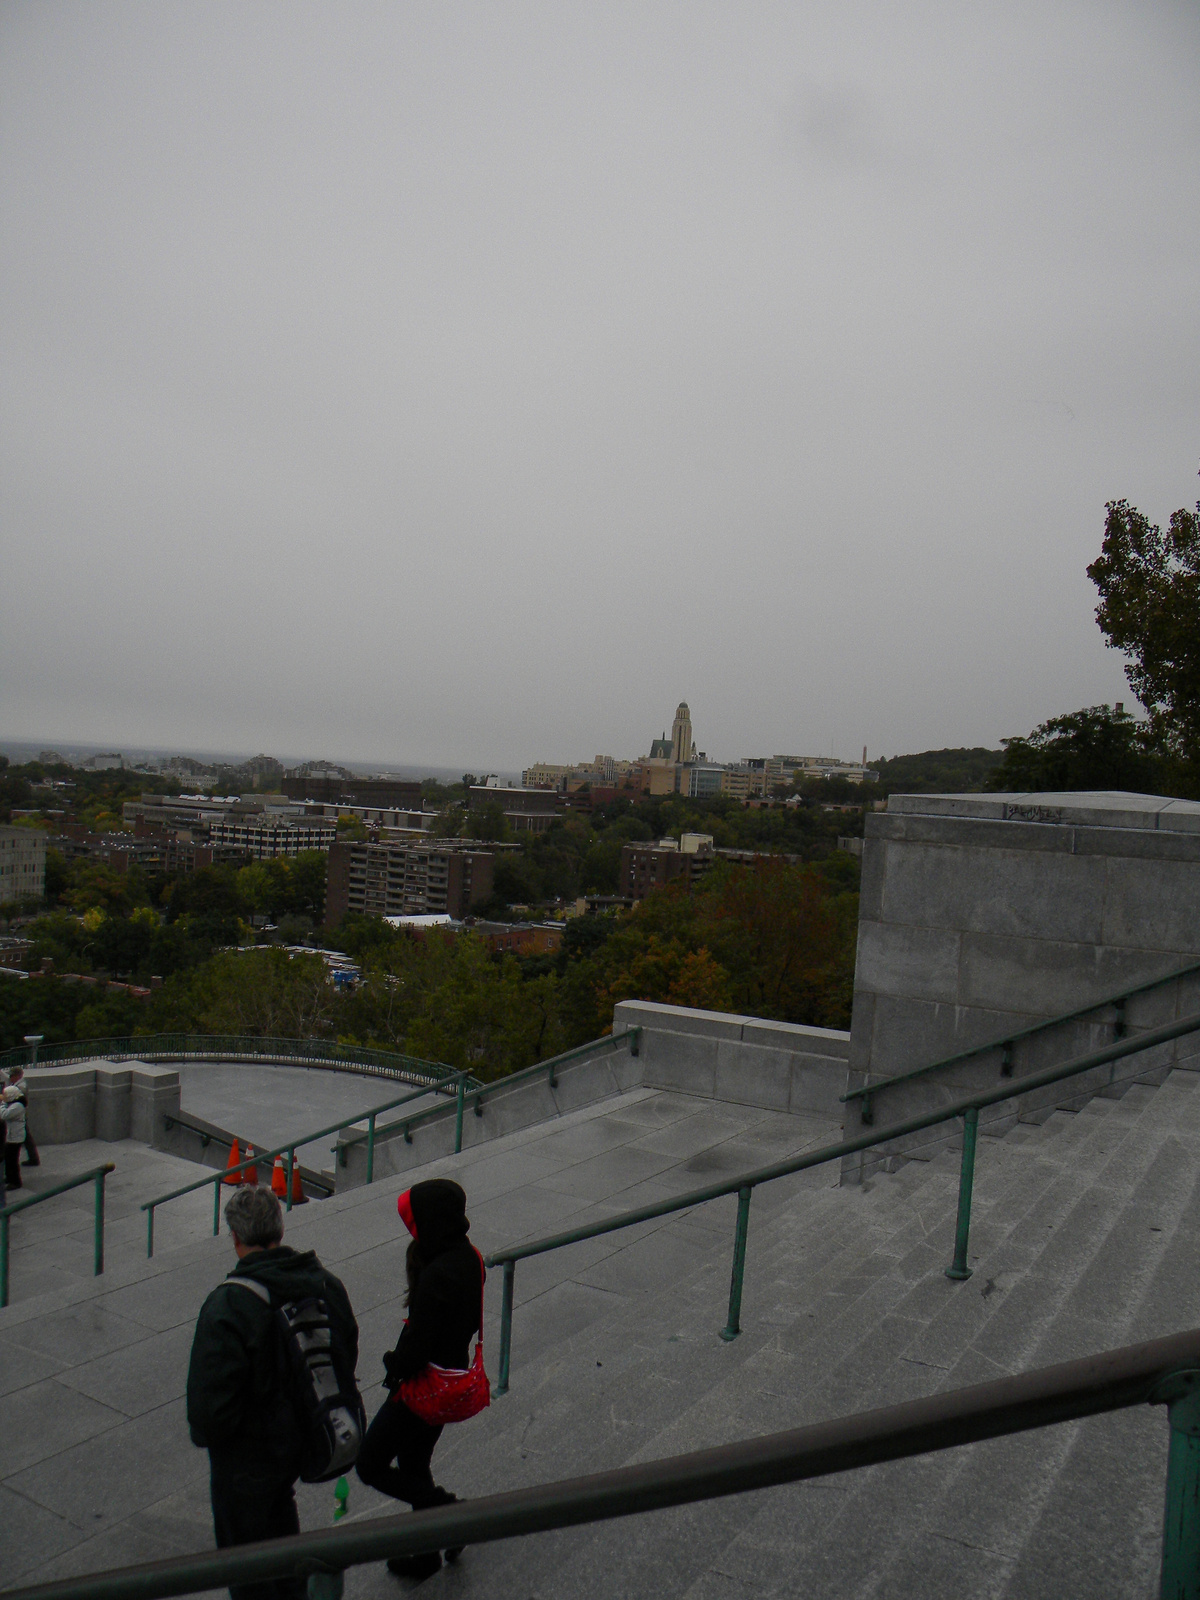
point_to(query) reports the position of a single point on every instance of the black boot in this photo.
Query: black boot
(418, 1567)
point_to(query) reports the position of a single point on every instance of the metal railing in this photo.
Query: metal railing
(743, 1186)
(1161, 1372)
(94, 1175)
(1006, 1041)
(480, 1093)
(233, 1047)
(219, 1174)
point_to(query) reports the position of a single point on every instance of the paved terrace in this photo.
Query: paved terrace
(95, 1466)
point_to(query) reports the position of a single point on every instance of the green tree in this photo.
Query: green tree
(1149, 585)
(1096, 748)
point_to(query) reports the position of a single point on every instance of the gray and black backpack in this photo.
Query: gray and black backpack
(327, 1406)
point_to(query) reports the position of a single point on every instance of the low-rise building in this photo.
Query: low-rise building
(521, 938)
(393, 878)
(525, 810)
(22, 864)
(262, 834)
(389, 794)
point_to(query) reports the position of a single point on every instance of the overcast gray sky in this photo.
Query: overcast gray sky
(470, 383)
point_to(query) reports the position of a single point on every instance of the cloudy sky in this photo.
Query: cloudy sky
(469, 383)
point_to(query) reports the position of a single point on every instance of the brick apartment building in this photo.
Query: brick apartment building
(22, 864)
(393, 878)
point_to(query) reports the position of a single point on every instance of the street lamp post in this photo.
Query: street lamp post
(33, 1040)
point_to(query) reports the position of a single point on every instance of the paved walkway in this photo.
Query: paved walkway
(96, 1468)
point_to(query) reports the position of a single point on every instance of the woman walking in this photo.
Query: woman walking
(429, 1376)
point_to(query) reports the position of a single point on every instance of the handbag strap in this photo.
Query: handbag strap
(482, 1277)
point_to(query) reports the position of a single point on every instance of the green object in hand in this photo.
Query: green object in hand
(341, 1495)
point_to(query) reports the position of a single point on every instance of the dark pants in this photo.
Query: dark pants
(12, 1169)
(249, 1505)
(398, 1435)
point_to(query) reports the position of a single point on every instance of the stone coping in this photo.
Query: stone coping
(1101, 808)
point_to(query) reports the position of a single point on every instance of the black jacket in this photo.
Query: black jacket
(444, 1311)
(236, 1400)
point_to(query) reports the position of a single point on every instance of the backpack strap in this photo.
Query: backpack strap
(260, 1289)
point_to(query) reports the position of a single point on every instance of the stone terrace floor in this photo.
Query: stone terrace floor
(96, 1469)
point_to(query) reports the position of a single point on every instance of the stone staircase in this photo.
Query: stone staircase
(1084, 1237)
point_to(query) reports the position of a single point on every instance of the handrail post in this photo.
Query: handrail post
(506, 1310)
(1181, 1523)
(460, 1104)
(958, 1268)
(98, 1240)
(217, 1207)
(371, 1148)
(733, 1327)
(149, 1231)
(291, 1167)
(4, 1220)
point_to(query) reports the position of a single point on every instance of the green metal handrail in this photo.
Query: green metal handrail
(1006, 1041)
(289, 1149)
(233, 1047)
(968, 1108)
(479, 1093)
(1161, 1372)
(94, 1175)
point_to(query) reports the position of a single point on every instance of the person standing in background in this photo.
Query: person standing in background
(16, 1079)
(12, 1113)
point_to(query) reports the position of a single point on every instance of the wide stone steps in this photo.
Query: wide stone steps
(1085, 1237)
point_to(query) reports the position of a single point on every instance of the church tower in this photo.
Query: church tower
(682, 748)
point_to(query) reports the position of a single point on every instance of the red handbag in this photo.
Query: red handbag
(450, 1394)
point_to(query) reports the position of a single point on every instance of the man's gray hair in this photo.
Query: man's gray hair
(255, 1216)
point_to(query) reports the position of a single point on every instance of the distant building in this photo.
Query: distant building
(391, 878)
(22, 864)
(525, 810)
(545, 775)
(108, 761)
(704, 780)
(262, 835)
(521, 938)
(743, 782)
(655, 864)
(682, 747)
(391, 794)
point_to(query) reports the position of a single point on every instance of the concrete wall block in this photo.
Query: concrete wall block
(62, 1104)
(872, 878)
(112, 1101)
(1030, 894)
(796, 1036)
(678, 1019)
(153, 1096)
(507, 1110)
(584, 1082)
(982, 833)
(817, 1085)
(913, 1033)
(1152, 905)
(922, 963)
(676, 1061)
(1032, 977)
(862, 1029)
(748, 1075)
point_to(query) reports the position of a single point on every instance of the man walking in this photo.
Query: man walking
(238, 1402)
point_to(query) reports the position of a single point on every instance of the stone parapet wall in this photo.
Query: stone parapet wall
(110, 1100)
(781, 1066)
(983, 914)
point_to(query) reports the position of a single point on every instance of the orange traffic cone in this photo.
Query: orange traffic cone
(250, 1174)
(279, 1179)
(299, 1198)
(233, 1178)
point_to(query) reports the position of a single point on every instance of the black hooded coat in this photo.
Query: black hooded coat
(444, 1309)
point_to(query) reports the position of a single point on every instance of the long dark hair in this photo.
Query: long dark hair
(413, 1262)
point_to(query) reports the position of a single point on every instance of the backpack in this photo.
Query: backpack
(326, 1404)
